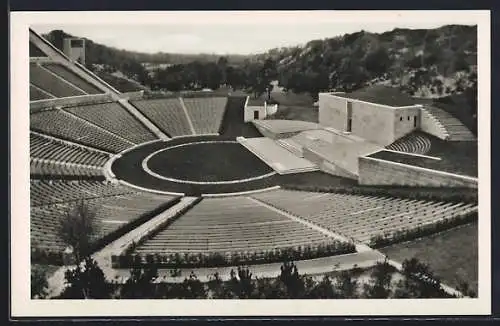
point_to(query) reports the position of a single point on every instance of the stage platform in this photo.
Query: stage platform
(332, 151)
(277, 129)
(277, 157)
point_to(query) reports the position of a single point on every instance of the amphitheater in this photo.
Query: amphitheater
(184, 181)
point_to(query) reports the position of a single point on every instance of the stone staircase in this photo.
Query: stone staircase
(455, 129)
(413, 143)
(291, 146)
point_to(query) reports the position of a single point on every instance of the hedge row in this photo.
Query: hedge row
(204, 260)
(456, 195)
(44, 256)
(421, 231)
(126, 228)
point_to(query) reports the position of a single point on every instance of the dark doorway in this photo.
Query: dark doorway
(256, 115)
(415, 122)
(349, 117)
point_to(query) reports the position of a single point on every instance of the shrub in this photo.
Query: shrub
(466, 195)
(379, 241)
(46, 257)
(39, 283)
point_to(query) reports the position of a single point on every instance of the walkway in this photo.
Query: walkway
(103, 257)
(316, 266)
(191, 126)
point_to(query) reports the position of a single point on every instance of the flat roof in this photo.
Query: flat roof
(380, 94)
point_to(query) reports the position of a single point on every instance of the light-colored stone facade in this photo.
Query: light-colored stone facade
(381, 124)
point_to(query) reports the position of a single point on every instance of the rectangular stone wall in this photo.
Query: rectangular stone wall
(332, 111)
(373, 122)
(404, 120)
(325, 165)
(249, 110)
(379, 172)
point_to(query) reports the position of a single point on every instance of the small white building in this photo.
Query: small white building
(258, 112)
(74, 48)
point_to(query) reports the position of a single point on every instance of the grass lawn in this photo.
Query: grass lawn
(208, 162)
(452, 254)
(456, 157)
(461, 156)
(295, 107)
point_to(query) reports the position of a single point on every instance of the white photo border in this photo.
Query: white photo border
(23, 306)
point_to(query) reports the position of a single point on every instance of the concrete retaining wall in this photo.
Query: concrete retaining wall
(326, 166)
(374, 171)
(70, 101)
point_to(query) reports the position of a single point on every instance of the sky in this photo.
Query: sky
(224, 36)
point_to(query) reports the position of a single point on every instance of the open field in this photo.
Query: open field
(452, 255)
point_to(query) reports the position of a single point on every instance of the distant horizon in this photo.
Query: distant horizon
(240, 40)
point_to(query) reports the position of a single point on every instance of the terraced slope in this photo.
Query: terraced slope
(231, 225)
(362, 217)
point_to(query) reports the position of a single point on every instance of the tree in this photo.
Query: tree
(291, 279)
(86, 281)
(217, 288)
(193, 288)
(140, 283)
(322, 289)
(471, 95)
(378, 62)
(39, 282)
(346, 285)
(465, 289)
(222, 64)
(241, 283)
(418, 282)
(379, 286)
(77, 228)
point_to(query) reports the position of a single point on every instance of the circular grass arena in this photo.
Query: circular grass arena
(194, 165)
(206, 161)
